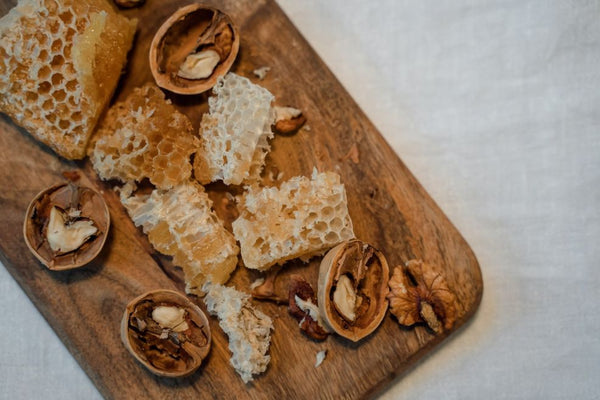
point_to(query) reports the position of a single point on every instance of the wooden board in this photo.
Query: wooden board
(388, 206)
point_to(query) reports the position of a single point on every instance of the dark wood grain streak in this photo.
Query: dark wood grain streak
(390, 209)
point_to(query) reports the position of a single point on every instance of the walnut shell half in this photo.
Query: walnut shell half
(166, 332)
(193, 48)
(353, 285)
(75, 205)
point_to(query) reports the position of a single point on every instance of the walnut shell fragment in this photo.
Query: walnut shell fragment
(166, 333)
(353, 285)
(419, 294)
(193, 48)
(288, 119)
(66, 226)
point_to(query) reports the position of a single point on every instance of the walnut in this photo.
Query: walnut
(421, 295)
(288, 119)
(353, 285)
(303, 307)
(66, 226)
(166, 332)
(192, 49)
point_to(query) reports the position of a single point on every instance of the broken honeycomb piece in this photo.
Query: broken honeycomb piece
(234, 134)
(180, 223)
(144, 137)
(60, 61)
(301, 219)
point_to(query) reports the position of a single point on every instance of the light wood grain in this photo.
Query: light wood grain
(388, 206)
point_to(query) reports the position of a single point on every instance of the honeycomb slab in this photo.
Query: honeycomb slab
(60, 61)
(234, 134)
(181, 223)
(300, 219)
(144, 137)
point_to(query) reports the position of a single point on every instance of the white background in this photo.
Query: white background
(495, 107)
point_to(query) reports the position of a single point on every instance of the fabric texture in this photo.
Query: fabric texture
(495, 108)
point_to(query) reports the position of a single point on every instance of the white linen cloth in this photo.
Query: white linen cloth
(495, 107)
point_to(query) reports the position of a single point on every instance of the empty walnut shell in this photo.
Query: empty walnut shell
(175, 350)
(88, 206)
(353, 285)
(192, 30)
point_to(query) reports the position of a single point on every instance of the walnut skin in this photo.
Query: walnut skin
(418, 294)
(300, 289)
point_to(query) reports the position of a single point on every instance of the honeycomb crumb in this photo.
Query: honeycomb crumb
(60, 61)
(234, 134)
(144, 137)
(180, 223)
(248, 329)
(301, 219)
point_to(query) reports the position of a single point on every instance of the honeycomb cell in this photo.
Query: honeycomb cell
(44, 87)
(71, 85)
(31, 96)
(54, 27)
(48, 105)
(56, 46)
(165, 147)
(59, 95)
(332, 237)
(66, 17)
(321, 226)
(57, 79)
(327, 212)
(57, 61)
(51, 118)
(336, 224)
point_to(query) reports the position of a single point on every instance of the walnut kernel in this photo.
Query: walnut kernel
(419, 294)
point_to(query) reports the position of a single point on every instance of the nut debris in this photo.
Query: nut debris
(303, 307)
(288, 119)
(320, 357)
(261, 72)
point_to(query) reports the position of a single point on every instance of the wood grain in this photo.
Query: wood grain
(389, 208)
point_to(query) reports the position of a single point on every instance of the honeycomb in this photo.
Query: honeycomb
(180, 223)
(248, 329)
(301, 219)
(144, 137)
(234, 134)
(60, 61)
